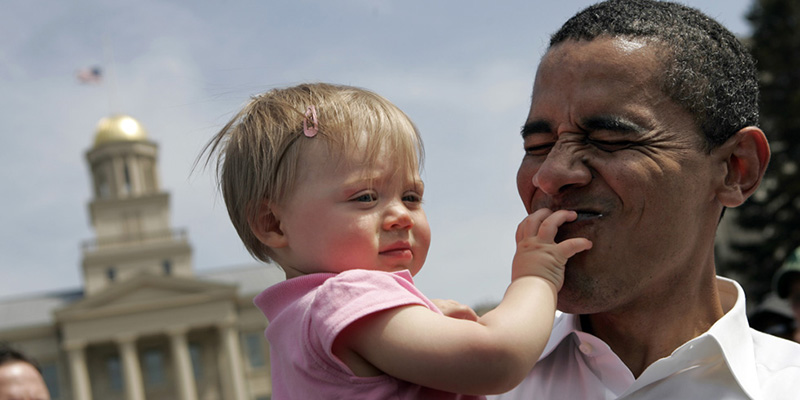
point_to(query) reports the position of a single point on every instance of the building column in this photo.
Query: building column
(183, 364)
(229, 341)
(118, 173)
(79, 373)
(134, 386)
(135, 175)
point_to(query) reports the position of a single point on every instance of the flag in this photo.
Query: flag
(89, 75)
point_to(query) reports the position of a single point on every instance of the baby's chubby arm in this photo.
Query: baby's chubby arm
(489, 356)
(454, 309)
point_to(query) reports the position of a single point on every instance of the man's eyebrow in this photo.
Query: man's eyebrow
(611, 123)
(536, 126)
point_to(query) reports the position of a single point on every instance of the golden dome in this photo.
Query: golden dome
(119, 128)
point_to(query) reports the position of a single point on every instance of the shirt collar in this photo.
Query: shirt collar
(731, 333)
(564, 325)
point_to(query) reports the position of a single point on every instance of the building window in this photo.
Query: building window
(111, 273)
(50, 375)
(154, 367)
(255, 349)
(196, 354)
(114, 370)
(167, 266)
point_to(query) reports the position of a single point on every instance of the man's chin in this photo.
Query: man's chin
(578, 302)
(570, 308)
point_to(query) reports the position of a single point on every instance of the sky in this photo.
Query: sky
(462, 70)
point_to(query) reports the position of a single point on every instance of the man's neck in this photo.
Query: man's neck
(642, 333)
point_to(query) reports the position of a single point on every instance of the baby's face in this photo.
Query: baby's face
(344, 215)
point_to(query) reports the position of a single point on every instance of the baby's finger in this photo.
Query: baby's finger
(570, 247)
(549, 226)
(530, 225)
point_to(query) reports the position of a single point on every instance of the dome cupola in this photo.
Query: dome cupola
(119, 128)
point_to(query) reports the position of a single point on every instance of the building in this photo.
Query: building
(145, 325)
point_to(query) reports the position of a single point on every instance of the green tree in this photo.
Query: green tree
(774, 211)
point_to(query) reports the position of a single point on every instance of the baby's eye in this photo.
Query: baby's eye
(366, 198)
(412, 198)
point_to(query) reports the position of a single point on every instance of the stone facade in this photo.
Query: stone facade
(144, 325)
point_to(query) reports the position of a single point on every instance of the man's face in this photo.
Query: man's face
(21, 381)
(601, 138)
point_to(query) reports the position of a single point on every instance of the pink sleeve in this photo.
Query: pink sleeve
(352, 295)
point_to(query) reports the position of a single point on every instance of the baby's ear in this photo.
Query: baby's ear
(266, 226)
(746, 155)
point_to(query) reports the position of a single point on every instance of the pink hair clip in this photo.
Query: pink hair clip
(311, 113)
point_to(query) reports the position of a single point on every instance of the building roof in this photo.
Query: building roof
(119, 128)
(37, 310)
(251, 279)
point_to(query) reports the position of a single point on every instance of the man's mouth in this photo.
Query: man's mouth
(587, 215)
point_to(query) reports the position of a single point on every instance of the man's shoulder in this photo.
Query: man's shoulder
(774, 353)
(778, 366)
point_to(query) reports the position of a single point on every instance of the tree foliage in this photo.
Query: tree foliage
(774, 211)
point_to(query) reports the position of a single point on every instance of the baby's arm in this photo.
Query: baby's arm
(454, 309)
(491, 356)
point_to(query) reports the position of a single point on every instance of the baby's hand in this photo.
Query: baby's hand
(537, 253)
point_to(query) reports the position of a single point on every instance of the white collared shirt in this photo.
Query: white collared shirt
(729, 361)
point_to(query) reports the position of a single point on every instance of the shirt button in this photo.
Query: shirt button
(585, 348)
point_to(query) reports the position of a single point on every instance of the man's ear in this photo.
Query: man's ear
(746, 155)
(266, 226)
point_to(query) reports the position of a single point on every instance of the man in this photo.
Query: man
(19, 377)
(643, 119)
(787, 285)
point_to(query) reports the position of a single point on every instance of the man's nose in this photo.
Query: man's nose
(563, 168)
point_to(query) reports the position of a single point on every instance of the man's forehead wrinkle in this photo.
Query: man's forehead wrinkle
(611, 123)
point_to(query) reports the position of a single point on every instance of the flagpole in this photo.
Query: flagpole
(111, 87)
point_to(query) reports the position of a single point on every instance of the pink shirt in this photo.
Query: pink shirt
(307, 313)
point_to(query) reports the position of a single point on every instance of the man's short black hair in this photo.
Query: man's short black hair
(707, 70)
(8, 355)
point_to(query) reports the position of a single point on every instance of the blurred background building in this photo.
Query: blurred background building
(144, 325)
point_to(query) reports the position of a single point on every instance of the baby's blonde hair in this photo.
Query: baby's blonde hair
(257, 152)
